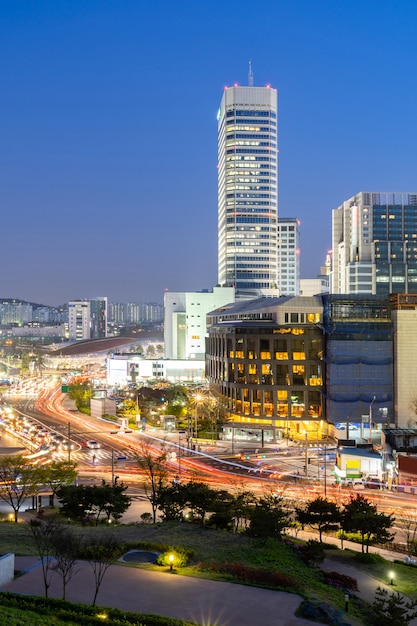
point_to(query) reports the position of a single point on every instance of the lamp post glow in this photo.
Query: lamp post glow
(391, 577)
(171, 562)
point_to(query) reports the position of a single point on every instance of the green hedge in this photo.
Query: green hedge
(84, 615)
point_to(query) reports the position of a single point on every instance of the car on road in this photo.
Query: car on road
(93, 445)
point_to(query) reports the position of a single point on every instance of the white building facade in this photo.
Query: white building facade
(123, 369)
(185, 325)
(248, 189)
(289, 256)
(79, 320)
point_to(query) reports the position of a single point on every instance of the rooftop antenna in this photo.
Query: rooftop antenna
(250, 75)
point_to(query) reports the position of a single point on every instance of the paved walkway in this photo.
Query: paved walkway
(367, 585)
(199, 600)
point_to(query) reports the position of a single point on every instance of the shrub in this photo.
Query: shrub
(84, 615)
(335, 579)
(251, 575)
(181, 557)
(364, 557)
(313, 552)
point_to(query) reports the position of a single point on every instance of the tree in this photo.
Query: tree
(268, 518)
(361, 516)
(150, 351)
(320, 514)
(223, 510)
(79, 501)
(18, 481)
(128, 408)
(24, 363)
(101, 552)
(155, 472)
(177, 401)
(200, 498)
(44, 534)
(242, 508)
(137, 348)
(57, 474)
(66, 545)
(79, 391)
(392, 610)
(172, 501)
(407, 524)
(116, 502)
(76, 500)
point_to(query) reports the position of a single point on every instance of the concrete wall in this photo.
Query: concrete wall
(405, 351)
(6, 568)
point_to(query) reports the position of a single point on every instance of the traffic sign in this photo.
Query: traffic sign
(122, 458)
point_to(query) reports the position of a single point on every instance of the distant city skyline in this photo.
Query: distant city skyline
(108, 155)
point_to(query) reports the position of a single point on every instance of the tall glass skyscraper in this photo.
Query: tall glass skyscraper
(248, 188)
(375, 244)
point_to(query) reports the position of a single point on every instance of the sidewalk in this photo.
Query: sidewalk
(199, 600)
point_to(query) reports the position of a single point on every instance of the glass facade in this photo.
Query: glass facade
(375, 244)
(293, 367)
(271, 374)
(248, 188)
(358, 356)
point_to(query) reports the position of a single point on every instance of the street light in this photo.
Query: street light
(171, 562)
(370, 419)
(391, 577)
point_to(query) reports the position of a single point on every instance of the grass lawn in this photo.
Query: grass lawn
(207, 544)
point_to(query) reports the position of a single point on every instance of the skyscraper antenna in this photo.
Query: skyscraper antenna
(250, 75)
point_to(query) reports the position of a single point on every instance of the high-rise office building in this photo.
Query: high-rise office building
(98, 318)
(289, 256)
(375, 244)
(248, 188)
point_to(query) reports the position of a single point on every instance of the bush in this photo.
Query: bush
(84, 615)
(180, 557)
(335, 579)
(363, 557)
(313, 552)
(251, 575)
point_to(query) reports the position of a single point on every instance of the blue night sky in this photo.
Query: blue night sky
(108, 144)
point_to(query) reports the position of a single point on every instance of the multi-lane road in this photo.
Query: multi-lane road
(281, 470)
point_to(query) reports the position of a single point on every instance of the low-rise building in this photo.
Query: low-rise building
(123, 369)
(358, 464)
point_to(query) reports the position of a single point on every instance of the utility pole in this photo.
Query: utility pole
(112, 467)
(306, 459)
(69, 442)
